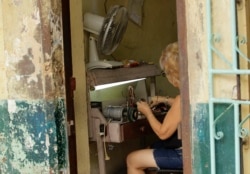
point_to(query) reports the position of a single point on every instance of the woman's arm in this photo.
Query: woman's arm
(170, 123)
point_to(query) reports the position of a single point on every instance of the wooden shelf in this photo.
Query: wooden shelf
(105, 76)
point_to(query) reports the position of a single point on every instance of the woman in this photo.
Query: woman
(161, 154)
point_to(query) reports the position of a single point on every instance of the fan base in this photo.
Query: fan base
(104, 64)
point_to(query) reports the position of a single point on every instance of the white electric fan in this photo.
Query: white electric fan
(105, 35)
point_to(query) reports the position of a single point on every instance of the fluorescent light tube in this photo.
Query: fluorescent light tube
(99, 87)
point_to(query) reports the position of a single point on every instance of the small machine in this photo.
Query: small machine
(120, 113)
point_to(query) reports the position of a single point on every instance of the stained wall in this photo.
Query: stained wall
(204, 131)
(32, 110)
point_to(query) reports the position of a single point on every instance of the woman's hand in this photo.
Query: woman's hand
(143, 107)
(155, 100)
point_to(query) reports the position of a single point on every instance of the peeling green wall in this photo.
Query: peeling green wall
(32, 135)
(224, 148)
(201, 148)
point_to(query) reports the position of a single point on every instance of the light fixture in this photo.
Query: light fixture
(99, 87)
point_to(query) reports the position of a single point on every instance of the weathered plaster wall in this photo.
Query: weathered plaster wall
(197, 51)
(33, 50)
(2, 60)
(32, 137)
(223, 85)
(32, 110)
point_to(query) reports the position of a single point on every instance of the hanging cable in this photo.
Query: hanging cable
(104, 142)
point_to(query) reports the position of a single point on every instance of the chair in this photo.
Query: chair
(163, 171)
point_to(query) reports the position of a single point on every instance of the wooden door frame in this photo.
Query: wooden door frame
(184, 89)
(247, 6)
(69, 85)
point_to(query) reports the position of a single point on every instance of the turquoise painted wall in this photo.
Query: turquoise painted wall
(224, 148)
(32, 135)
(201, 148)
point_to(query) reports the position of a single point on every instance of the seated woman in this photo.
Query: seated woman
(166, 153)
